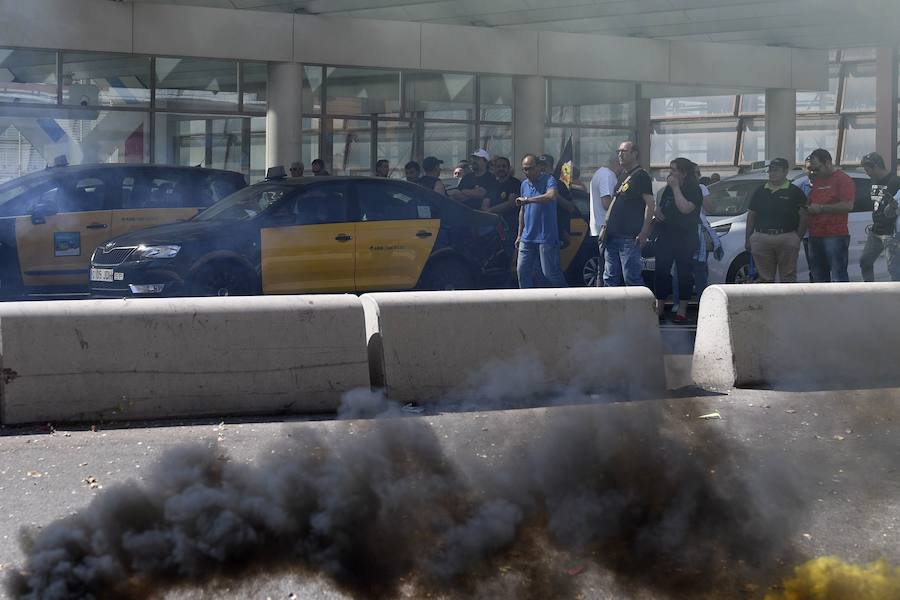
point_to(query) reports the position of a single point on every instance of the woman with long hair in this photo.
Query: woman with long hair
(676, 219)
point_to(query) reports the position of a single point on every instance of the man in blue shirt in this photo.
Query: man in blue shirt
(538, 237)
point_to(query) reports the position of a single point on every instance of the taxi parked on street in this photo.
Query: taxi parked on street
(310, 235)
(51, 220)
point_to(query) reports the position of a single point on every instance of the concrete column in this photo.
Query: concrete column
(781, 124)
(886, 105)
(529, 116)
(642, 121)
(284, 123)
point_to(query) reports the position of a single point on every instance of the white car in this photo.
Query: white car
(731, 199)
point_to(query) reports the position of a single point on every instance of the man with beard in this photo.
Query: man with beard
(508, 189)
(479, 188)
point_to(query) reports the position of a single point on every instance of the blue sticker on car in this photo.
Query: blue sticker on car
(66, 243)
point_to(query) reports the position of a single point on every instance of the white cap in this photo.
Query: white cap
(481, 153)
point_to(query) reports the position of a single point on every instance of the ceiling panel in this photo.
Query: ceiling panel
(799, 23)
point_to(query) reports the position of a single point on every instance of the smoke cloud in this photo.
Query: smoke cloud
(385, 505)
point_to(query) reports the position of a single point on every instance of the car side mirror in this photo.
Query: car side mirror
(43, 209)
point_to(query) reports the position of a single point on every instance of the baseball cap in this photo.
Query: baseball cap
(482, 153)
(431, 163)
(781, 163)
(547, 159)
(872, 159)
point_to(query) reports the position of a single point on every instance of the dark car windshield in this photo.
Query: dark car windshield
(245, 204)
(731, 198)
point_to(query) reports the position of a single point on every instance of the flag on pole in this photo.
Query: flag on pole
(563, 170)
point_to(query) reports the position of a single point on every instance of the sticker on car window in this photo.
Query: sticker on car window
(424, 211)
(66, 243)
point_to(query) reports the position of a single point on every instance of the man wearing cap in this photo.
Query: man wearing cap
(432, 177)
(776, 223)
(830, 200)
(538, 238)
(885, 194)
(296, 169)
(477, 189)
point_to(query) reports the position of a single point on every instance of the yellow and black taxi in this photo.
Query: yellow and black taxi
(308, 235)
(51, 220)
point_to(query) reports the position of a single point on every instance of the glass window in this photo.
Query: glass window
(592, 102)
(440, 95)
(192, 140)
(380, 201)
(362, 91)
(594, 147)
(496, 139)
(554, 141)
(83, 194)
(351, 147)
(106, 79)
(753, 141)
(706, 142)
(317, 205)
(157, 188)
(858, 54)
(821, 101)
(254, 77)
(753, 104)
(859, 87)
(815, 133)
(88, 136)
(859, 138)
(706, 106)
(311, 133)
(496, 96)
(312, 89)
(257, 149)
(28, 76)
(196, 84)
(450, 142)
(395, 143)
(21, 196)
(730, 198)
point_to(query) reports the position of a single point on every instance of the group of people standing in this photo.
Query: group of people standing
(812, 211)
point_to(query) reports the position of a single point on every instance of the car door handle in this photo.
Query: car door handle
(423, 234)
(343, 237)
(96, 226)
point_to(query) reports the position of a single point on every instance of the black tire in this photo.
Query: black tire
(446, 275)
(223, 279)
(591, 271)
(739, 271)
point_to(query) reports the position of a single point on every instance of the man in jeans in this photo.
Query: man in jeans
(830, 199)
(776, 223)
(628, 215)
(885, 194)
(538, 237)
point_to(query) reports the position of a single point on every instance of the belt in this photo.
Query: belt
(773, 231)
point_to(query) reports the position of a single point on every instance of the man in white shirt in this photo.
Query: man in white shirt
(603, 188)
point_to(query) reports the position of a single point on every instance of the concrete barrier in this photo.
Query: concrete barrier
(819, 336)
(425, 346)
(155, 358)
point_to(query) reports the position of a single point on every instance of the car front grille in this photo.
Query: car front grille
(114, 257)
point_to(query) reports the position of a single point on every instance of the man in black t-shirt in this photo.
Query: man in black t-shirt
(776, 223)
(508, 189)
(479, 188)
(628, 215)
(432, 177)
(885, 194)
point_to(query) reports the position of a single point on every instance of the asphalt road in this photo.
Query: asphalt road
(819, 468)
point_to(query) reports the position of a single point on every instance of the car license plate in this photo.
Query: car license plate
(101, 274)
(648, 264)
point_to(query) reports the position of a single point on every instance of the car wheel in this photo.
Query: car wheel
(739, 272)
(223, 279)
(446, 275)
(592, 272)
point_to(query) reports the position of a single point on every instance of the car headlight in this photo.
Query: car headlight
(143, 251)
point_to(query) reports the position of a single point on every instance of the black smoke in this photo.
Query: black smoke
(383, 505)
